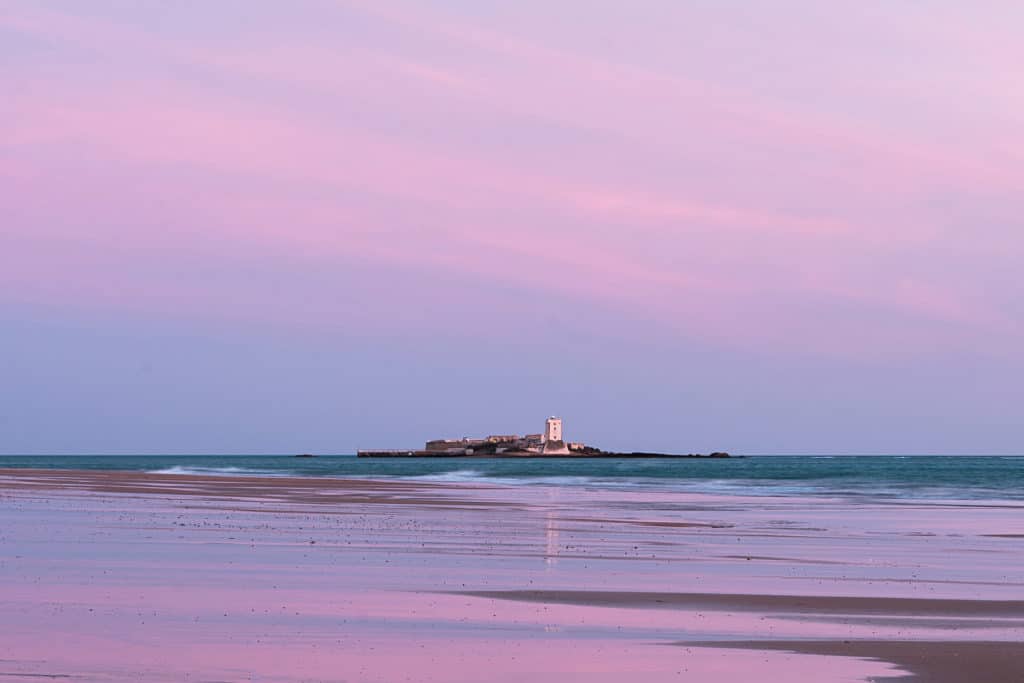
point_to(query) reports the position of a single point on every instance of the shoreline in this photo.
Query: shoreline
(130, 479)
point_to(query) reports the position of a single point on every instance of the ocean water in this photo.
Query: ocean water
(888, 477)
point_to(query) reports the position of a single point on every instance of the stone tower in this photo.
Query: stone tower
(553, 429)
(553, 444)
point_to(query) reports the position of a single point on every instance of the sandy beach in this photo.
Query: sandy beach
(136, 576)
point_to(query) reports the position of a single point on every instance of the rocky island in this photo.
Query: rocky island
(549, 444)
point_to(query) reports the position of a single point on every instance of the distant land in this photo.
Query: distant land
(549, 444)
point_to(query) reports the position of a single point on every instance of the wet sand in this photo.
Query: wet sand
(290, 489)
(135, 576)
(927, 661)
(931, 661)
(789, 604)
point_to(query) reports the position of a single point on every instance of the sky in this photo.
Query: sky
(247, 226)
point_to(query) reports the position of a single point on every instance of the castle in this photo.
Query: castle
(550, 442)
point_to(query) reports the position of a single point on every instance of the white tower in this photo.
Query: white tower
(553, 429)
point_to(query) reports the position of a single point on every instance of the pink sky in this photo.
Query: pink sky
(841, 180)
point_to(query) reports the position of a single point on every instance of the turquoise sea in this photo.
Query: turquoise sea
(878, 476)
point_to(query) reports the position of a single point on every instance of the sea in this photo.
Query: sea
(911, 477)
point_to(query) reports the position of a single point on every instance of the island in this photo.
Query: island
(549, 444)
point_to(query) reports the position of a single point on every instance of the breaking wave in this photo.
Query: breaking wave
(226, 471)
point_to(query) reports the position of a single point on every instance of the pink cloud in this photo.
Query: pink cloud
(627, 217)
(725, 110)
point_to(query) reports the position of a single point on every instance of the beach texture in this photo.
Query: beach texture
(159, 577)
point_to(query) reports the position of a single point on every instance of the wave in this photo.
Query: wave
(478, 477)
(732, 487)
(226, 471)
(453, 476)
